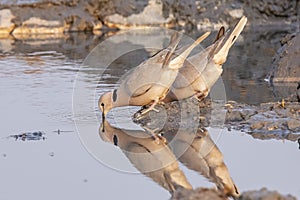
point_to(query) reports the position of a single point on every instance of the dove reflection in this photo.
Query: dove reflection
(149, 154)
(156, 156)
(199, 153)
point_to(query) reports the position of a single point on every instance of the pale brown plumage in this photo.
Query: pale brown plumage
(202, 70)
(199, 152)
(153, 159)
(149, 82)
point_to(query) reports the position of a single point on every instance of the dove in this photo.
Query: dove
(198, 152)
(202, 70)
(150, 81)
(153, 159)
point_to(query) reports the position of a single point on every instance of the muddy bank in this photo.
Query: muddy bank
(21, 18)
(207, 194)
(278, 120)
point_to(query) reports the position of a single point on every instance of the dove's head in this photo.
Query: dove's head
(105, 103)
(106, 132)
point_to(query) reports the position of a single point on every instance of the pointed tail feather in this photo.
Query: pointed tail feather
(177, 62)
(220, 34)
(220, 54)
(175, 39)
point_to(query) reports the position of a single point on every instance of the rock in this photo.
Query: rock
(199, 193)
(35, 25)
(236, 13)
(234, 115)
(151, 15)
(6, 24)
(247, 113)
(286, 65)
(283, 8)
(264, 194)
(78, 23)
(207, 194)
(293, 124)
(266, 121)
(257, 125)
(78, 15)
(285, 72)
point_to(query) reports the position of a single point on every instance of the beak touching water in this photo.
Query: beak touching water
(102, 109)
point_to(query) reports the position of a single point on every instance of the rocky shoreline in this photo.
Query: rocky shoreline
(208, 194)
(275, 120)
(23, 18)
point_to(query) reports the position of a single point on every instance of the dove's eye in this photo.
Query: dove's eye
(102, 104)
(115, 139)
(115, 95)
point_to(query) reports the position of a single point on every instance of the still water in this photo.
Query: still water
(37, 79)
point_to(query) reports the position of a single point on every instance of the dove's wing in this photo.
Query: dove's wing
(151, 71)
(155, 160)
(147, 74)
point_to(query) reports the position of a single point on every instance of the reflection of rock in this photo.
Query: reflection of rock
(74, 46)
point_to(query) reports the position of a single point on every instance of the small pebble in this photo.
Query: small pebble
(4, 155)
(51, 154)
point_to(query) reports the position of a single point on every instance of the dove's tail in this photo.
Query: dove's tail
(223, 45)
(220, 34)
(178, 61)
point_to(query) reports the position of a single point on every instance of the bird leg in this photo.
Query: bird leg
(156, 137)
(152, 107)
(140, 114)
(199, 95)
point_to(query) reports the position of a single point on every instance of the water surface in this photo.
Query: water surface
(36, 87)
